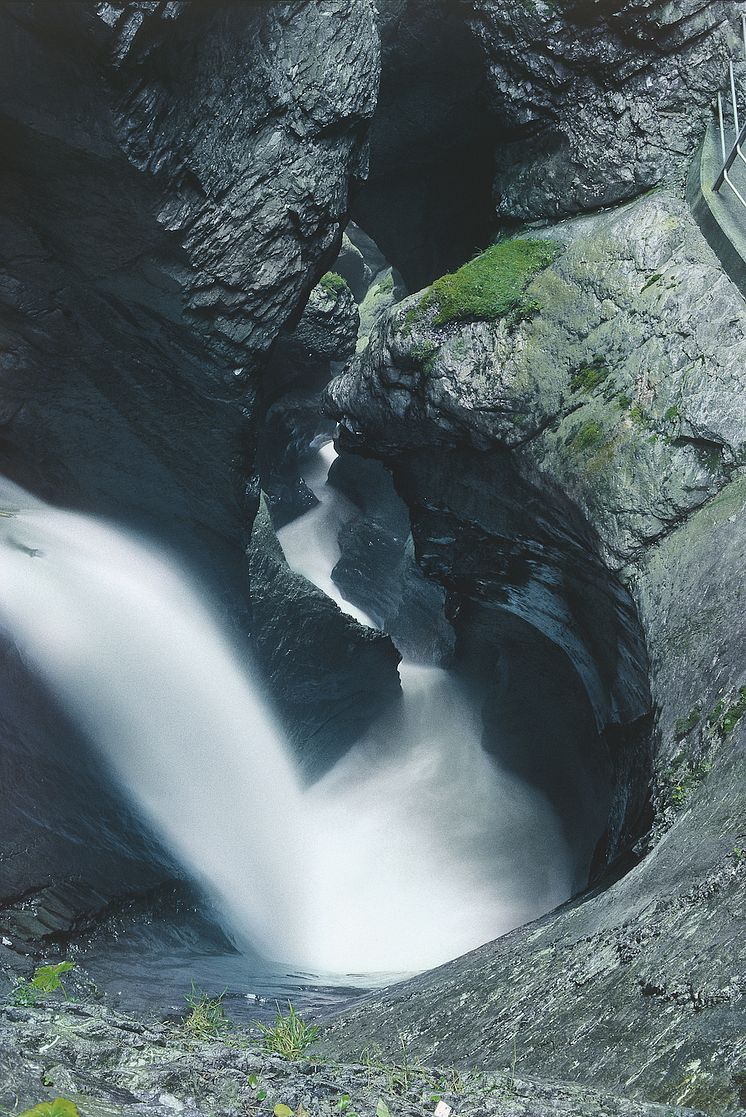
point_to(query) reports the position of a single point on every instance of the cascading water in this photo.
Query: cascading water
(413, 849)
(439, 849)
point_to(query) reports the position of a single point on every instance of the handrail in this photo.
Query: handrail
(735, 151)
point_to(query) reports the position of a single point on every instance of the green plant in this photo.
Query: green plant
(684, 777)
(289, 1035)
(207, 1019)
(382, 1110)
(493, 285)
(60, 1107)
(734, 713)
(589, 376)
(588, 436)
(684, 725)
(332, 284)
(46, 980)
(653, 279)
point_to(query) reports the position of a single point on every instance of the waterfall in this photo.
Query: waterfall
(413, 849)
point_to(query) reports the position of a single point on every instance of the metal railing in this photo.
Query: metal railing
(734, 152)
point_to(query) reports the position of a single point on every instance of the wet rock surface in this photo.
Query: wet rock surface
(378, 570)
(599, 102)
(109, 1063)
(328, 676)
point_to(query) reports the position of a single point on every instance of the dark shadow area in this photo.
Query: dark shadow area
(428, 199)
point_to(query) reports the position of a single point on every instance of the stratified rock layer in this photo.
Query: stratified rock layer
(599, 101)
(328, 675)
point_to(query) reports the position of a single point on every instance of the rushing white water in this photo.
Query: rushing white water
(310, 542)
(413, 849)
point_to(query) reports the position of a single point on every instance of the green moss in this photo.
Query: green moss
(588, 436)
(684, 725)
(588, 377)
(653, 279)
(734, 713)
(423, 354)
(492, 285)
(332, 284)
(638, 416)
(624, 402)
(672, 414)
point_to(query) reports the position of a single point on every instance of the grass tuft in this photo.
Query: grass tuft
(492, 285)
(289, 1036)
(207, 1019)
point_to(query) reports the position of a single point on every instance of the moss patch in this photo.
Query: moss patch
(724, 719)
(684, 725)
(332, 284)
(588, 436)
(423, 354)
(588, 377)
(492, 285)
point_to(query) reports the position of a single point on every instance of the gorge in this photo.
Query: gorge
(371, 555)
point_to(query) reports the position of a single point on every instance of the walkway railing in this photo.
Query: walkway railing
(734, 152)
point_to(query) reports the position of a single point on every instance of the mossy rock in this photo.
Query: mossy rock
(332, 284)
(492, 285)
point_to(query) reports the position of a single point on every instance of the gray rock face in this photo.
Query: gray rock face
(257, 197)
(320, 343)
(378, 570)
(602, 101)
(623, 395)
(627, 390)
(175, 181)
(328, 676)
(110, 1063)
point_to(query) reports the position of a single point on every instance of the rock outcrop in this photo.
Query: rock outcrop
(610, 383)
(109, 1062)
(328, 676)
(598, 102)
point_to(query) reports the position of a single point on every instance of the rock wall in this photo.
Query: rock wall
(601, 101)
(328, 676)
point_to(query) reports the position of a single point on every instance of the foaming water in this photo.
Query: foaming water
(310, 542)
(413, 849)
